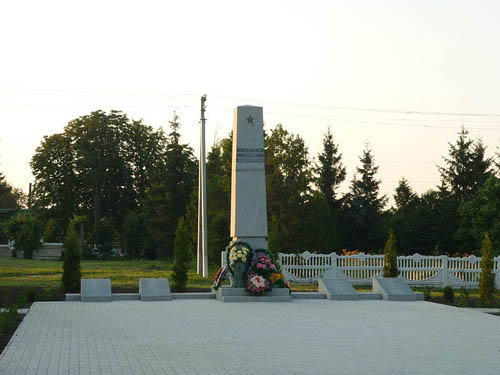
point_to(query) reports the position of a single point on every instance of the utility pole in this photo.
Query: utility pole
(202, 257)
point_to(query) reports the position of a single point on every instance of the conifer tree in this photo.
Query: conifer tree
(71, 266)
(487, 278)
(390, 257)
(170, 191)
(182, 256)
(363, 224)
(404, 196)
(330, 172)
(467, 168)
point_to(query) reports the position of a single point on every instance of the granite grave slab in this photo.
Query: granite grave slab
(337, 289)
(95, 290)
(393, 289)
(152, 289)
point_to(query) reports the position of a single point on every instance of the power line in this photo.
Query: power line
(234, 98)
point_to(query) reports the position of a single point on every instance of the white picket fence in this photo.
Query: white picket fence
(417, 270)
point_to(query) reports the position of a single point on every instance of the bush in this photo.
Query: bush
(26, 229)
(448, 295)
(390, 257)
(30, 294)
(463, 299)
(487, 278)
(71, 266)
(427, 293)
(49, 294)
(181, 254)
(8, 319)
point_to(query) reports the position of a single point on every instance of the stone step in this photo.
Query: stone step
(370, 296)
(256, 299)
(308, 295)
(193, 295)
(72, 297)
(126, 297)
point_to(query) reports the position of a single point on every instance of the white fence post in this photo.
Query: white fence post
(445, 270)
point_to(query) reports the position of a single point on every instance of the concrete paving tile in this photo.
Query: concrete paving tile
(208, 337)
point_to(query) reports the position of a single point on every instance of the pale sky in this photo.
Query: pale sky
(400, 75)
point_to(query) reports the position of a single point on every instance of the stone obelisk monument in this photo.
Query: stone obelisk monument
(248, 182)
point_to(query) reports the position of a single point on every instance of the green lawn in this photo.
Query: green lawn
(123, 273)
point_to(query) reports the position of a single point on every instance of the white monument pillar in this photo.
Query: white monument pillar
(202, 251)
(248, 182)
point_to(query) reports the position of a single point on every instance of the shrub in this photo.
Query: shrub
(463, 299)
(448, 295)
(390, 257)
(71, 266)
(8, 319)
(26, 229)
(30, 294)
(49, 294)
(487, 278)
(181, 254)
(427, 293)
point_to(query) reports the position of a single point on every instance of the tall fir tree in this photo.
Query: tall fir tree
(404, 195)
(464, 174)
(329, 174)
(467, 167)
(403, 217)
(363, 221)
(170, 191)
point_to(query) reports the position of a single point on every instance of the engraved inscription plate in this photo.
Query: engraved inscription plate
(250, 155)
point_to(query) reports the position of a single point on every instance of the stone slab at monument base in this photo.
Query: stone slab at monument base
(393, 289)
(225, 294)
(95, 290)
(337, 289)
(154, 289)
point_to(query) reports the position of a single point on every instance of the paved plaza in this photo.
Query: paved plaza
(210, 337)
